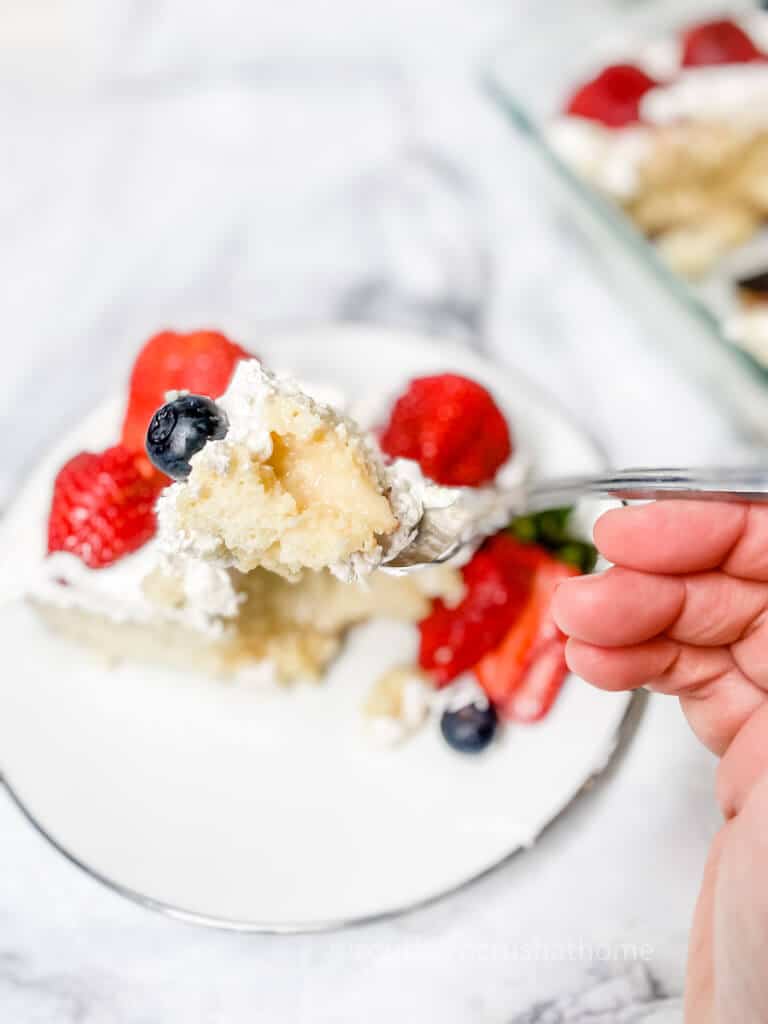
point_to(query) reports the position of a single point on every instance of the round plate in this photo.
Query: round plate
(264, 811)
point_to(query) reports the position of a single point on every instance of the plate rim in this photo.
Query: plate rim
(620, 740)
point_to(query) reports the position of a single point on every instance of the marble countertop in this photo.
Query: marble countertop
(252, 164)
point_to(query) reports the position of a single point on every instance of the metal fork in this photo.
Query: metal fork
(443, 531)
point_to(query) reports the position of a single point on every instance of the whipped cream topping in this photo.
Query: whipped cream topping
(117, 591)
(714, 93)
(610, 159)
(416, 696)
(749, 330)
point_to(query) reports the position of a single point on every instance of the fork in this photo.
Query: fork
(473, 514)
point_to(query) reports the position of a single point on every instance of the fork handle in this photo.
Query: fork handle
(708, 484)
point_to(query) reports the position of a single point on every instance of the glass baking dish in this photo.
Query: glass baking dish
(529, 79)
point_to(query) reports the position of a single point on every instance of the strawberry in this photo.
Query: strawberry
(103, 506)
(718, 42)
(201, 362)
(613, 97)
(452, 427)
(498, 581)
(524, 674)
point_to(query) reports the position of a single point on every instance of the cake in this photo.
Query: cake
(270, 542)
(676, 134)
(291, 485)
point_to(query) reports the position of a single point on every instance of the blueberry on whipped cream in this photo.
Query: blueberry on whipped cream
(182, 428)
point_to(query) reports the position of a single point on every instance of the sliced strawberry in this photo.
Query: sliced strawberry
(523, 675)
(201, 362)
(613, 97)
(498, 582)
(718, 42)
(541, 683)
(103, 506)
(452, 427)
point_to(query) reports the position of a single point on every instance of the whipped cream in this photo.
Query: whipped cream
(749, 330)
(715, 93)
(117, 591)
(389, 726)
(610, 159)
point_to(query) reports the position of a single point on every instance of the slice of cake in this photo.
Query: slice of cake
(269, 478)
(108, 583)
(218, 621)
(266, 550)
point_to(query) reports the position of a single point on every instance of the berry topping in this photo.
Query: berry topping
(103, 506)
(469, 729)
(180, 429)
(524, 674)
(498, 582)
(613, 98)
(718, 42)
(201, 362)
(452, 427)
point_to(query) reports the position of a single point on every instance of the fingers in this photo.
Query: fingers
(618, 607)
(718, 609)
(621, 668)
(716, 697)
(749, 557)
(675, 536)
(622, 607)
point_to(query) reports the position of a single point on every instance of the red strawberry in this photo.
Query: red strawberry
(498, 581)
(452, 427)
(718, 42)
(103, 506)
(201, 362)
(613, 98)
(524, 674)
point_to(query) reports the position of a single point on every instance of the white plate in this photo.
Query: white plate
(273, 812)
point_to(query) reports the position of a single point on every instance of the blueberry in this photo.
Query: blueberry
(469, 729)
(181, 428)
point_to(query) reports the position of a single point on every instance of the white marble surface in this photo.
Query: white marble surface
(251, 163)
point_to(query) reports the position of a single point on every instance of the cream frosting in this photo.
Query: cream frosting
(749, 330)
(117, 591)
(715, 93)
(610, 159)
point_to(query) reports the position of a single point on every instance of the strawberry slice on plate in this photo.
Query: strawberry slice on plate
(201, 362)
(718, 42)
(103, 506)
(524, 674)
(498, 582)
(613, 97)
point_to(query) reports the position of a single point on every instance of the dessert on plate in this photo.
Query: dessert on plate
(676, 134)
(241, 524)
(282, 482)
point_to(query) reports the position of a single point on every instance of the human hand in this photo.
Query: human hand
(684, 611)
